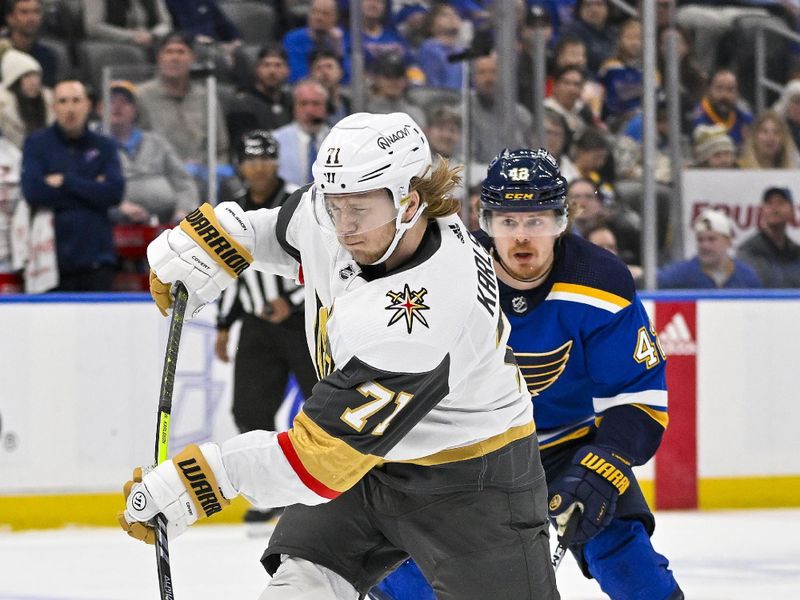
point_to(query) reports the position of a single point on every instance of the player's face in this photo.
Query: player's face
(364, 223)
(523, 241)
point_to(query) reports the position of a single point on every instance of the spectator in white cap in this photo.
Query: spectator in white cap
(713, 267)
(25, 104)
(713, 148)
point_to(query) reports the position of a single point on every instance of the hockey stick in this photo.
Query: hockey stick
(565, 539)
(181, 296)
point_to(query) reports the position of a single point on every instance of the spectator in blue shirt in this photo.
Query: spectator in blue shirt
(720, 106)
(75, 173)
(376, 38)
(204, 20)
(621, 75)
(321, 33)
(443, 28)
(206, 23)
(713, 267)
(592, 27)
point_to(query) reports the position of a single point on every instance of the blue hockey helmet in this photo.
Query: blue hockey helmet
(524, 181)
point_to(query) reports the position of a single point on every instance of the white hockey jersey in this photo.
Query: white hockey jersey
(416, 383)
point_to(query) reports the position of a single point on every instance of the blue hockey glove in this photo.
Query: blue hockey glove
(591, 484)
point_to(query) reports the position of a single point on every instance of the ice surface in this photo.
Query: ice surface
(726, 555)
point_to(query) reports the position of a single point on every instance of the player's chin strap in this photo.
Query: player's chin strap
(400, 229)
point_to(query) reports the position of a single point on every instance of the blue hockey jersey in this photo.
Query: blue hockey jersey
(588, 352)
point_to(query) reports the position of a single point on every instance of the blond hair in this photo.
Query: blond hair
(435, 189)
(788, 156)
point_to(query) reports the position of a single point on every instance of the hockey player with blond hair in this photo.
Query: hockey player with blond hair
(418, 439)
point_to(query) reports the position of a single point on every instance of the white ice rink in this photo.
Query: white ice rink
(752, 555)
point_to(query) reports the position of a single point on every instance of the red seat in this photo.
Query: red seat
(131, 242)
(10, 283)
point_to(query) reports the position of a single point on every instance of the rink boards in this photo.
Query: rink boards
(79, 381)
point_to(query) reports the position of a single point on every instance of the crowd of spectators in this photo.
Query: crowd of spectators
(285, 67)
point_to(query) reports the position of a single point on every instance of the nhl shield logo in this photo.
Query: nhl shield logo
(519, 304)
(407, 305)
(347, 272)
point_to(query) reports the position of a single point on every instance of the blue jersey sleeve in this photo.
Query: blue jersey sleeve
(628, 371)
(631, 431)
(625, 362)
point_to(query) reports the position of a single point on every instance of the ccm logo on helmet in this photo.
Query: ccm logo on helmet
(385, 141)
(518, 196)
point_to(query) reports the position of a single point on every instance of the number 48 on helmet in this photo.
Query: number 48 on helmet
(523, 181)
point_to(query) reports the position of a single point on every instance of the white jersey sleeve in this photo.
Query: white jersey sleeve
(278, 232)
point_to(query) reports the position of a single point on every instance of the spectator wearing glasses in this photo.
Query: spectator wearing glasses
(589, 209)
(299, 140)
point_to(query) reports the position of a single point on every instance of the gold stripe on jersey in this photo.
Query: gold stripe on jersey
(475, 450)
(585, 290)
(659, 416)
(327, 458)
(578, 433)
(323, 357)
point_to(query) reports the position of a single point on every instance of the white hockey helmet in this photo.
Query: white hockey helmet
(365, 152)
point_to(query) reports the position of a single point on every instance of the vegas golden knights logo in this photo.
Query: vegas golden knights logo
(542, 369)
(323, 358)
(407, 305)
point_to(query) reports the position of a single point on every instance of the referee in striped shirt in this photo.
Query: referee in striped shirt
(272, 341)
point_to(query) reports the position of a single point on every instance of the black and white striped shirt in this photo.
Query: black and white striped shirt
(254, 289)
